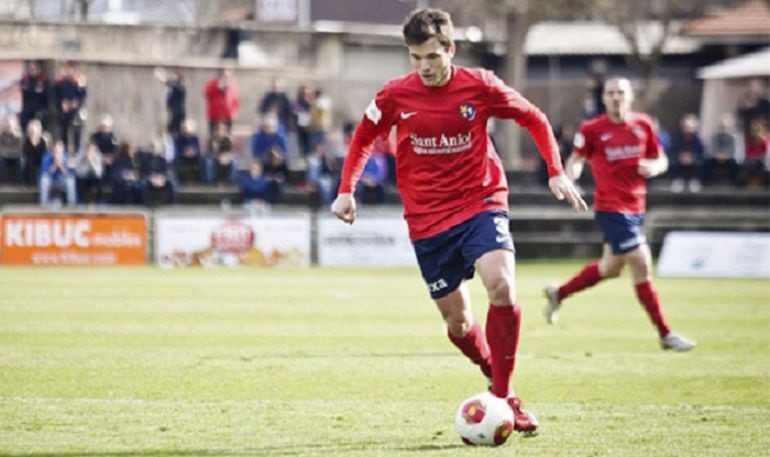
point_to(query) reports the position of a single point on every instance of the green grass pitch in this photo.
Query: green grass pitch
(354, 362)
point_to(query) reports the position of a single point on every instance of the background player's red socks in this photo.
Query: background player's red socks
(649, 299)
(503, 338)
(474, 346)
(584, 279)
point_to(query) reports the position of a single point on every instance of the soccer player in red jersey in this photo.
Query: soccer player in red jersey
(454, 190)
(623, 151)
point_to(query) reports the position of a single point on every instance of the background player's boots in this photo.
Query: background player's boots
(552, 304)
(676, 342)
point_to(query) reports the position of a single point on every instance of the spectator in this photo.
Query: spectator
(753, 104)
(320, 174)
(276, 102)
(126, 184)
(105, 140)
(222, 99)
(11, 158)
(89, 171)
(70, 94)
(57, 175)
(721, 164)
(188, 154)
(754, 170)
(301, 107)
(686, 156)
(320, 122)
(268, 136)
(255, 187)
(176, 95)
(220, 163)
(35, 93)
(276, 172)
(34, 148)
(157, 180)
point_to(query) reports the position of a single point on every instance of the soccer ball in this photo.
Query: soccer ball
(484, 419)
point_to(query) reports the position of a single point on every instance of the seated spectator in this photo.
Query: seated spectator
(33, 149)
(106, 142)
(11, 158)
(686, 156)
(754, 170)
(126, 184)
(320, 174)
(89, 171)
(157, 179)
(276, 172)
(188, 154)
(721, 166)
(267, 137)
(255, 187)
(221, 166)
(57, 175)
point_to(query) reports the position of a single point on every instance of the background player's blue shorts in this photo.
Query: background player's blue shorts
(447, 258)
(622, 231)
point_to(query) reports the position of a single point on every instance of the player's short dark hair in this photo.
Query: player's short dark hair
(423, 24)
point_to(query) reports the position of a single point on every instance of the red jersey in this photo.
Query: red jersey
(446, 167)
(614, 150)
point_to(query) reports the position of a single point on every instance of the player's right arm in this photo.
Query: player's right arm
(376, 120)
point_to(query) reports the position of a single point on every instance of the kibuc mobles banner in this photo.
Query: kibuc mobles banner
(73, 238)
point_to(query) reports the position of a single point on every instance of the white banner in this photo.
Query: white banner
(715, 254)
(375, 239)
(215, 239)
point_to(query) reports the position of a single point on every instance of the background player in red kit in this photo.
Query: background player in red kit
(454, 190)
(623, 151)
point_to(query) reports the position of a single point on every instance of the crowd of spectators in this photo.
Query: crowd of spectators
(44, 145)
(41, 145)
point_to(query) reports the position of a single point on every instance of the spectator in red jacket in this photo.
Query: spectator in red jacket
(222, 99)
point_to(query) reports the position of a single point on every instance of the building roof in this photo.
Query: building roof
(586, 38)
(745, 66)
(752, 18)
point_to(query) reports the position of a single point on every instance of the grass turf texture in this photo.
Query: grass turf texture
(333, 362)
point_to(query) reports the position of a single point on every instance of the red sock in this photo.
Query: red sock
(649, 299)
(503, 338)
(584, 279)
(474, 346)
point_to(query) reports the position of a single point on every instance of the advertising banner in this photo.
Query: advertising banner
(73, 239)
(715, 254)
(183, 239)
(376, 239)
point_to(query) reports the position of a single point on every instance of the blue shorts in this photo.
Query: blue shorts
(622, 231)
(447, 258)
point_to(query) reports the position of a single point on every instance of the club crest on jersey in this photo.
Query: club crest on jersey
(638, 132)
(467, 111)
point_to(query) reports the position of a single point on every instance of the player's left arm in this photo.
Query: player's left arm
(655, 163)
(509, 104)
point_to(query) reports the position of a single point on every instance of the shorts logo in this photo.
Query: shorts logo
(437, 285)
(467, 111)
